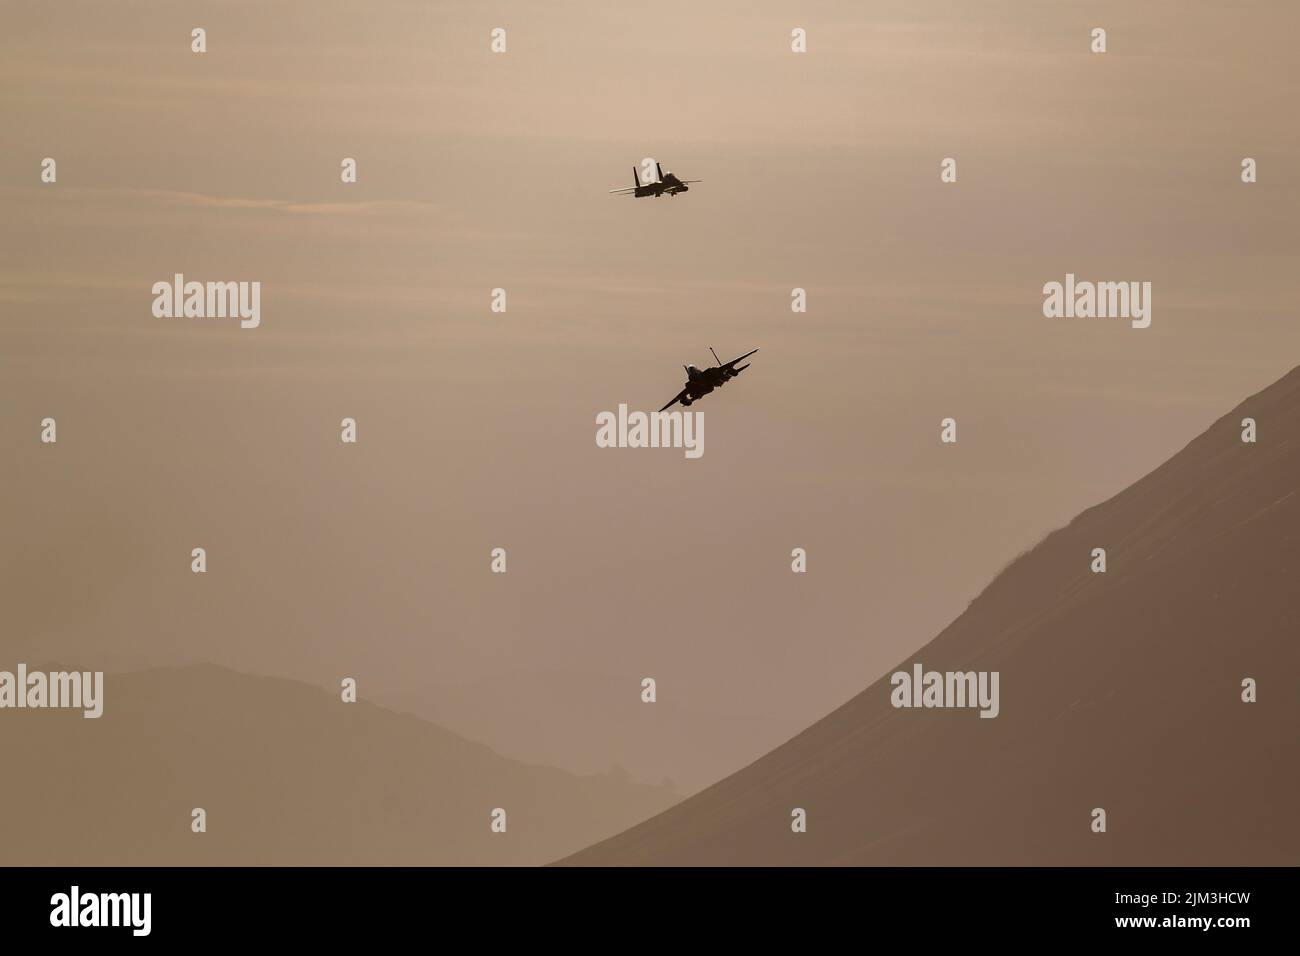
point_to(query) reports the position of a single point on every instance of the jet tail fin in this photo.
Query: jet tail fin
(660, 170)
(636, 180)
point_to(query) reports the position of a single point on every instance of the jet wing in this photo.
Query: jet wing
(629, 189)
(680, 396)
(741, 359)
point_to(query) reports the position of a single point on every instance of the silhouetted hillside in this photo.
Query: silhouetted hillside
(1119, 690)
(288, 774)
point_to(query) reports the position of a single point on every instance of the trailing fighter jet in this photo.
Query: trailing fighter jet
(667, 183)
(699, 382)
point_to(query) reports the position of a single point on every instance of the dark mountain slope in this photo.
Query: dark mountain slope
(1119, 690)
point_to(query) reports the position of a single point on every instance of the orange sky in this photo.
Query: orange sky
(476, 430)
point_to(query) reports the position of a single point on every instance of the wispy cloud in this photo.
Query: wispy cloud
(191, 200)
(354, 208)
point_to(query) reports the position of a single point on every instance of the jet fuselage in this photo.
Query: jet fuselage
(670, 186)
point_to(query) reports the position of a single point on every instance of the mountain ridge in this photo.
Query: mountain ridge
(288, 774)
(877, 782)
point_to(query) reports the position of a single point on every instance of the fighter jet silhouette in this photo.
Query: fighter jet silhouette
(699, 382)
(667, 184)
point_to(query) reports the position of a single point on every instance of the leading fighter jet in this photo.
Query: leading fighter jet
(699, 382)
(668, 184)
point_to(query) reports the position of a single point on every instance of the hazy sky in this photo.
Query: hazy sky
(476, 430)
